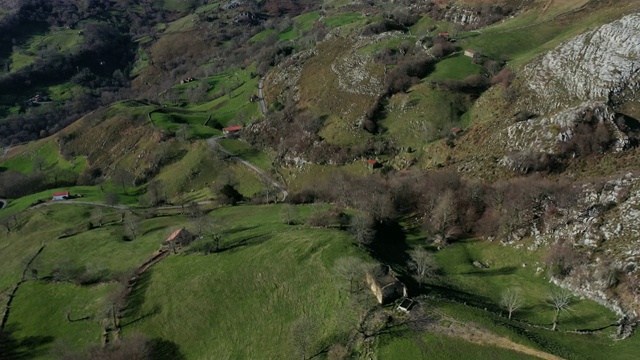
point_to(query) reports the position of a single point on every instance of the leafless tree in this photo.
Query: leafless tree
(303, 336)
(268, 189)
(361, 228)
(6, 224)
(132, 226)
(444, 213)
(350, 268)
(39, 163)
(156, 193)
(560, 301)
(511, 300)
(289, 214)
(97, 215)
(111, 199)
(422, 264)
(122, 177)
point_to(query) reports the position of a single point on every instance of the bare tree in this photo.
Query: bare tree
(361, 228)
(38, 164)
(6, 224)
(203, 225)
(122, 177)
(511, 300)
(444, 213)
(422, 264)
(132, 225)
(97, 215)
(560, 301)
(156, 193)
(289, 214)
(269, 189)
(350, 268)
(303, 335)
(111, 199)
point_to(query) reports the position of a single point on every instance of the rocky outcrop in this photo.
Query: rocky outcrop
(546, 133)
(602, 227)
(601, 65)
(584, 80)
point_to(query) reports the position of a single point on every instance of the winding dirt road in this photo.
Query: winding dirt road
(213, 143)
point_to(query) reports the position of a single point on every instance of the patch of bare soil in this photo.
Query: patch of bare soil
(477, 335)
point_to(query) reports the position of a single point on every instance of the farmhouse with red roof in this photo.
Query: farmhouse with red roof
(372, 164)
(232, 129)
(179, 237)
(60, 195)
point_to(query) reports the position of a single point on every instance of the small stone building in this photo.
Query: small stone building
(178, 238)
(384, 285)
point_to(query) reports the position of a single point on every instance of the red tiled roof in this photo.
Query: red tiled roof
(371, 162)
(233, 128)
(61, 193)
(444, 34)
(174, 235)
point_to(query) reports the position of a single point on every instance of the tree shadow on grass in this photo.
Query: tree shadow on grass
(247, 241)
(390, 247)
(505, 270)
(463, 297)
(390, 244)
(154, 311)
(162, 349)
(12, 348)
(137, 297)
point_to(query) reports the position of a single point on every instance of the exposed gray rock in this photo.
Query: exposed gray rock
(602, 65)
(544, 134)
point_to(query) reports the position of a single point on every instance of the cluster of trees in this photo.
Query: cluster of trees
(448, 206)
(14, 184)
(559, 300)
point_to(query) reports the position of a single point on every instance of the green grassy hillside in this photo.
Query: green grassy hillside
(142, 167)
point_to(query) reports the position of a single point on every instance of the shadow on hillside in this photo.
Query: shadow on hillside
(162, 349)
(390, 247)
(137, 297)
(248, 241)
(463, 297)
(12, 348)
(390, 244)
(239, 229)
(505, 270)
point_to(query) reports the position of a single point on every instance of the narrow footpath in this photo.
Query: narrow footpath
(213, 143)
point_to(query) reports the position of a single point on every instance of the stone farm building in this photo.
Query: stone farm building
(384, 285)
(60, 195)
(178, 238)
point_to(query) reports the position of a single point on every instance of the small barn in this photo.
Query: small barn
(372, 164)
(384, 285)
(179, 238)
(444, 34)
(470, 53)
(232, 129)
(60, 195)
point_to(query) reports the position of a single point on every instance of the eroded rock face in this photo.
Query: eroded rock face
(583, 80)
(601, 65)
(603, 225)
(544, 134)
